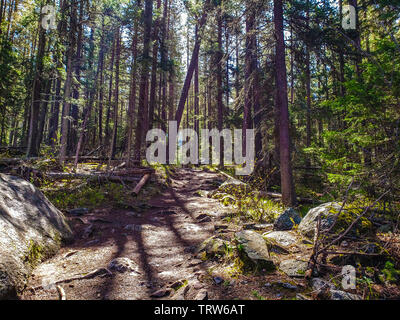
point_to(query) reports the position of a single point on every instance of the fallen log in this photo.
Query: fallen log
(141, 183)
(94, 177)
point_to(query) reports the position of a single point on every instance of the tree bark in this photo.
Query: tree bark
(142, 123)
(288, 192)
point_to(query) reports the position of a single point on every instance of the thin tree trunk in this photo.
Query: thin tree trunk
(193, 61)
(153, 86)
(142, 123)
(288, 192)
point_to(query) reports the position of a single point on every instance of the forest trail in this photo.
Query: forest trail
(160, 242)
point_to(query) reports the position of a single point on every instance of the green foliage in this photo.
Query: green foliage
(389, 273)
(90, 196)
(35, 253)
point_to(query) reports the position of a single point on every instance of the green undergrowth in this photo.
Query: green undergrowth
(67, 196)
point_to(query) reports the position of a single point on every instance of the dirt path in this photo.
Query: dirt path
(159, 241)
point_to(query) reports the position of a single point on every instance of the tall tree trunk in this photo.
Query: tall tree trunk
(101, 84)
(132, 95)
(153, 86)
(192, 65)
(43, 112)
(67, 87)
(116, 96)
(249, 71)
(32, 150)
(142, 123)
(288, 192)
(220, 89)
(196, 91)
(110, 94)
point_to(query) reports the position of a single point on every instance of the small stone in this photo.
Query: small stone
(198, 285)
(88, 231)
(160, 293)
(287, 285)
(319, 284)
(180, 295)
(294, 268)
(122, 265)
(287, 220)
(218, 280)
(133, 227)
(371, 248)
(134, 215)
(190, 249)
(178, 284)
(221, 226)
(341, 295)
(201, 296)
(205, 220)
(202, 216)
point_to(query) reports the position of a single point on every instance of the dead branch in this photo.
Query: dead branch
(61, 293)
(141, 184)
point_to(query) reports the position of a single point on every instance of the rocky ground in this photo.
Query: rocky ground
(182, 245)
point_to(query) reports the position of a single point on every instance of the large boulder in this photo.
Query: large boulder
(287, 220)
(327, 212)
(253, 249)
(31, 229)
(232, 187)
(282, 238)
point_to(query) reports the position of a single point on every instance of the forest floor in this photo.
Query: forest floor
(160, 243)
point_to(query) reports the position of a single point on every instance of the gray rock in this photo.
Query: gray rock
(255, 248)
(122, 265)
(218, 280)
(180, 295)
(233, 186)
(212, 247)
(287, 285)
(327, 212)
(31, 230)
(342, 295)
(221, 226)
(133, 228)
(259, 227)
(201, 295)
(319, 284)
(282, 238)
(385, 228)
(287, 220)
(161, 293)
(294, 268)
